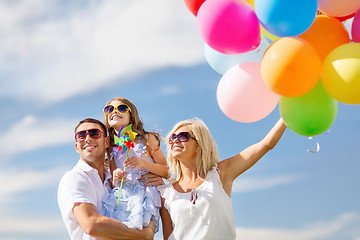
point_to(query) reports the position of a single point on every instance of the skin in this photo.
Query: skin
(117, 120)
(92, 151)
(229, 169)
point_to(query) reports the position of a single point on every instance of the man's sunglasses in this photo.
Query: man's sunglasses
(122, 108)
(181, 137)
(93, 133)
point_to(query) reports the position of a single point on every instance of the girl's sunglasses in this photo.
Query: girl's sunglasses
(93, 133)
(122, 108)
(181, 137)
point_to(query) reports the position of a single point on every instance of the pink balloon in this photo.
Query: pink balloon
(338, 8)
(243, 96)
(355, 28)
(229, 26)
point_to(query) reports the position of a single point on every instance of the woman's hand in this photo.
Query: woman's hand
(118, 174)
(151, 179)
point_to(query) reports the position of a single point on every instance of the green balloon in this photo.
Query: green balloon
(309, 114)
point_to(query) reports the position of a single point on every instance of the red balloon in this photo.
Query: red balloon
(344, 18)
(194, 5)
(341, 19)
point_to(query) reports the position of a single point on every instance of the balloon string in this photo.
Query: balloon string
(317, 143)
(122, 180)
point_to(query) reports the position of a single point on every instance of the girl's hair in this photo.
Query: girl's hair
(206, 152)
(137, 126)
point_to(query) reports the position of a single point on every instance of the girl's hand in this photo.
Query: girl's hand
(118, 174)
(133, 162)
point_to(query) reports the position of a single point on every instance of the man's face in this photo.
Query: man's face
(91, 149)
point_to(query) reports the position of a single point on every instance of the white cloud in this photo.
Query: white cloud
(57, 54)
(169, 90)
(25, 181)
(30, 225)
(261, 183)
(340, 227)
(31, 133)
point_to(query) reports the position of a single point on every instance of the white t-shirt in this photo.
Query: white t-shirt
(82, 184)
(204, 213)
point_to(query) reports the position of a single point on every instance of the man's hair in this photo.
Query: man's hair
(92, 120)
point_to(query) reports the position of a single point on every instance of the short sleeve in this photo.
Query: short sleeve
(165, 193)
(74, 188)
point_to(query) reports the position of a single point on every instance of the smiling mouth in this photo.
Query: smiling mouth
(89, 147)
(115, 116)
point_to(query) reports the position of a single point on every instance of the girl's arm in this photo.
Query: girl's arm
(166, 220)
(232, 167)
(160, 165)
(112, 165)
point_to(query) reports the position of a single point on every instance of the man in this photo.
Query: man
(82, 189)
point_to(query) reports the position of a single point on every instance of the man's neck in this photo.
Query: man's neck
(99, 165)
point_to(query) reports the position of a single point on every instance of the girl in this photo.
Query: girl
(138, 205)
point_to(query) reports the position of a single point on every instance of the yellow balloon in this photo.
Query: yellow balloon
(267, 34)
(341, 73)
(251, 2)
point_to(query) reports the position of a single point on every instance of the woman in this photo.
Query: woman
(197, 205)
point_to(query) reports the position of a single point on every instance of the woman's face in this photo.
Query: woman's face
(184, 150)
(117, 119)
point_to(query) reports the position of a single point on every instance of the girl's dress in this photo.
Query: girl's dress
(138, 204)
(204, 213)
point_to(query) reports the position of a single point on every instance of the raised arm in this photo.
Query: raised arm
(107, 228)
(232, 167)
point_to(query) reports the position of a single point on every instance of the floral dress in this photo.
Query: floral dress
(138, 204)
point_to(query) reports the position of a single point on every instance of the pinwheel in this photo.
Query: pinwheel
(125, 141)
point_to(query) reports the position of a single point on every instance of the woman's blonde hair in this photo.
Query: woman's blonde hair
(137, 126)
(206, 153)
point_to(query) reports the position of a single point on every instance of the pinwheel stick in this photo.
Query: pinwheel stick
(122, 180)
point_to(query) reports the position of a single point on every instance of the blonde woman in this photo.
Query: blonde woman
(197, 204)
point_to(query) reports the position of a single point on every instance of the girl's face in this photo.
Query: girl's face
(118, 119)
(183, 149)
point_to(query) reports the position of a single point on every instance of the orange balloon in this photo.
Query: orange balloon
(325, 34)
(290, 67)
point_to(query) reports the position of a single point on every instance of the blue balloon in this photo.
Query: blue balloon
(221, 62)
(285, 18)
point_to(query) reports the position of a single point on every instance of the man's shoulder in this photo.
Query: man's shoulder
(76, 173)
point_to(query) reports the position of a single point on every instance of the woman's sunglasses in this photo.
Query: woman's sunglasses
(181, 137)
(122, 108)
(93, 133)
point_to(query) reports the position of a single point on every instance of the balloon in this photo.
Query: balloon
(286, 17)
(344, 18)
(310, 114)
(290, 67)
(355, 28)
(194, 5)
(242, 95)
(341, 73)
(267, 34)
(229, 26)
(251, 2)
(338, 8)
(325, 34)
(222, 62)
(341, 19)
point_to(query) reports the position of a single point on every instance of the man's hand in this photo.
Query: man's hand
(151, 179)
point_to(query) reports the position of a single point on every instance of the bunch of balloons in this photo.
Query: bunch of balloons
(295, 53)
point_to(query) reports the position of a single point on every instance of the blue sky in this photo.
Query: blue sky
(61, 61)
